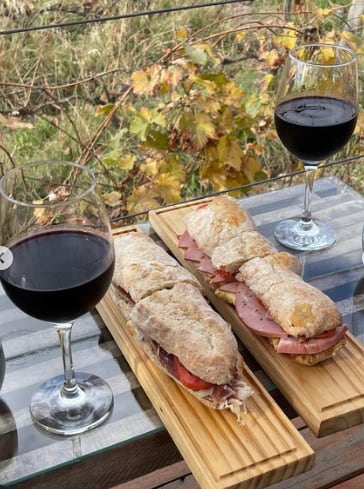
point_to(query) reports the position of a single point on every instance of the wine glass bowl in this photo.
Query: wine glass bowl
(315, 116)
(56, 227)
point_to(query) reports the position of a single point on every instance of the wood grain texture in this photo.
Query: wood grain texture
(220, 452)
(329, 396)
(339, 465)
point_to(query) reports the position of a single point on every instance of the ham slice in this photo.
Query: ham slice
(254, 315)
(222, 277)
(231, 287)
(206, 266)
(193, 253)
(311, 346)
(185, 240)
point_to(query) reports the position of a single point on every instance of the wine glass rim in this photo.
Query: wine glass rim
(19, 168)
(352, 59)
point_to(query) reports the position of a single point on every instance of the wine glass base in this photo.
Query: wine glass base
(85, 408)
(297, 234)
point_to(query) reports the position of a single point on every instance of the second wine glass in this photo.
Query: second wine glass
(315, 116)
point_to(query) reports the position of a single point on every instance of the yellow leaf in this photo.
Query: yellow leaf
(150, 167)
(288, 38)
(168, 187)
(240, 36)
(272, 58)
(145, 81)
(142, 199)
(250, 167)
(181, 34)
(127, 162)
(112, 199)
(230, 152)
(323, 12)
(140, 81)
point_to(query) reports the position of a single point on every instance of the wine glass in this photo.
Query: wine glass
(315, 115)
(57, 261)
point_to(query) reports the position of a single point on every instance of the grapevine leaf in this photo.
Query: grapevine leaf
(230, 152)
(104, 110)
(197, 54)
(323, 12)
(199, 126)
(288, 37)
(139, 126)
(168, 187)
(112, 199)
(150, 167)
(181, 34)
(140, 82)
(250, 167)
(127, 162)
(218, 79)
(157, 140)
(141, 199)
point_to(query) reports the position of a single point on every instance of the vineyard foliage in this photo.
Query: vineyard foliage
(162, 107)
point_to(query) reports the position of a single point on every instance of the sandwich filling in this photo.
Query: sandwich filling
(231, 395)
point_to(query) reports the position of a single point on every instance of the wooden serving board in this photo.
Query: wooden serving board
(220, 452)
(328, 396)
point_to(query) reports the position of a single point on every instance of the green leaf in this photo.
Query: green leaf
(157, 140)
(219, 79)
(104, 110)
(197, 55)
(139, 126)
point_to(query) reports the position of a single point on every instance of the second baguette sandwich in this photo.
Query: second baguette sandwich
(269, 295)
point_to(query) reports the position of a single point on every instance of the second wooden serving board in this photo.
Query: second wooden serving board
(328, 396)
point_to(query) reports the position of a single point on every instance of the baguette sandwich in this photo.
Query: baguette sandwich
(263, 284)
(191, 343)
(175, 325)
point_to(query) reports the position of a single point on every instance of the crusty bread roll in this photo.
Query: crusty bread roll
(184, 324)
(230, 255)
(215, 224)
(143, 267)
(299, 308)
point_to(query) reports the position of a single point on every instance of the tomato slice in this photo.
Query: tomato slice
(189, 379)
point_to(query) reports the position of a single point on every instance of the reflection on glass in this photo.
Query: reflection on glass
(358, 310)
(8, 433)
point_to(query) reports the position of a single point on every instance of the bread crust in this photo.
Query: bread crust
(218, 222)
(299, 308)
(184, 324)
(231, 255)
(143, 267)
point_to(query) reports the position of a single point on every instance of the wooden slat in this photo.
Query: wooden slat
(329, 396)
(220, 452)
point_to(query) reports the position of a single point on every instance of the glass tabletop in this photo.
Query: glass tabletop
(32, 352)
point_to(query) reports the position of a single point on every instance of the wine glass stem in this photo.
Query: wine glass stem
(70, 387)
(310, 173)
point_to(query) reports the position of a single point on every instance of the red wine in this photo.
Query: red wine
(314, 128)
(58, 276)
